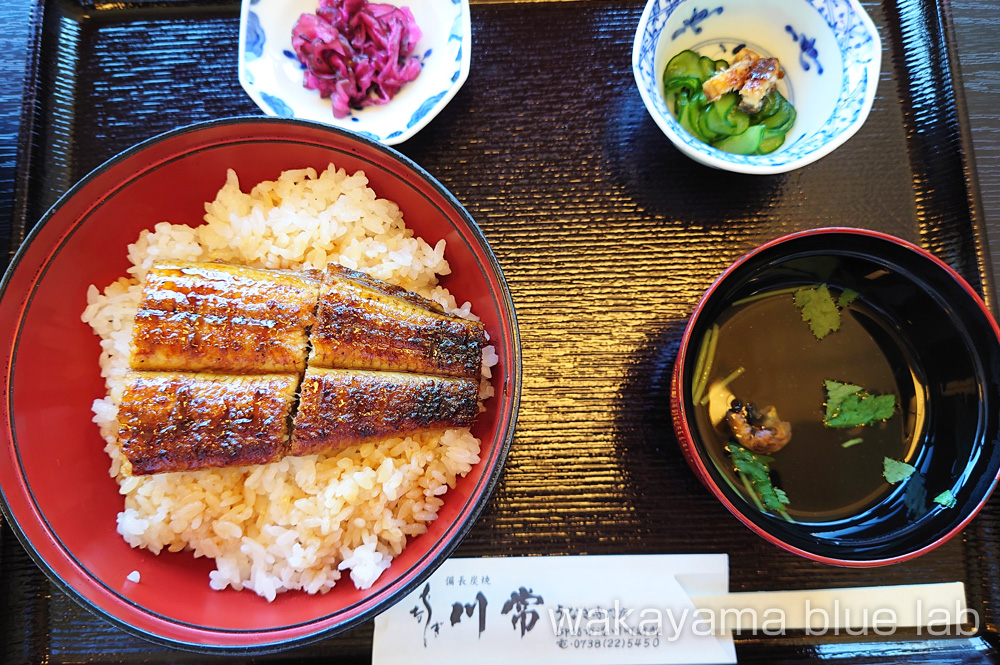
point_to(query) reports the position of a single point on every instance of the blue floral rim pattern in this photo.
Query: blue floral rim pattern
(255, 38)
(858, 44)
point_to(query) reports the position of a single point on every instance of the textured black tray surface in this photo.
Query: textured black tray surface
(607, 236)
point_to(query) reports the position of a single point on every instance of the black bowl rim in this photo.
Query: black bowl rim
(688, 441)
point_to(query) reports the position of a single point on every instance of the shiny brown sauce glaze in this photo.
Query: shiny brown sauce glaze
(338, 408)
(365, 328)
(338, 272)
(223, 318)
(181, 421)
(221, 332)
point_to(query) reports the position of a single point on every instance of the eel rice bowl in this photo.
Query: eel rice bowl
(302, 522)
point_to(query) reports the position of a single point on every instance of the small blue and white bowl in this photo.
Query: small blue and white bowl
(829, 49)
(271, 74)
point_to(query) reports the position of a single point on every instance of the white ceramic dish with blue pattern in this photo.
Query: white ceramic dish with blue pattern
(829, 49)
(272, 76)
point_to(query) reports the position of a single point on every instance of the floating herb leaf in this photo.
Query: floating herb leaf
(895, 471)
(851, 442)
(849, 405)
(756, 469)
(946, 499)
(847, 296)
(818, 310)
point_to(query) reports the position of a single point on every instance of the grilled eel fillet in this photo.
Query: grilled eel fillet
(753, 75)
(220, 351)
(223, 318)
(365, 324)
(366, 280)
(761, 80)
(182, 421)
(339, 408)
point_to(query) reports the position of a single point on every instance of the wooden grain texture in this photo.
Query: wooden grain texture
(977, 36)
(14, 42)
(607, 236)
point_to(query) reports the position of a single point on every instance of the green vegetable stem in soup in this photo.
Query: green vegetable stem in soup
(734, 108)
(844, 393)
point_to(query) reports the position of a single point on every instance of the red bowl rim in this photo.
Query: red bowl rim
(686, 436)
(31, 520)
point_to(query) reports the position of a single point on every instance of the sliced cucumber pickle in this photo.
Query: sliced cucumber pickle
(746, 143)
(721, 123)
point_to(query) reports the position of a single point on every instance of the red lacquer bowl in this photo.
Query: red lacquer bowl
(57, 494)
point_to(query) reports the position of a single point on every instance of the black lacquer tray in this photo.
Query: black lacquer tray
(607, 235)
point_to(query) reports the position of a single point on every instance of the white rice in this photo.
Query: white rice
(301, 522)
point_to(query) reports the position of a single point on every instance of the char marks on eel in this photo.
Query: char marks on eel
(223, 318)
(219, 351)
(339, 407)
(180, 421)
(363, 324)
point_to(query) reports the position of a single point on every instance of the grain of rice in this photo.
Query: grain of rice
(296, 524)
